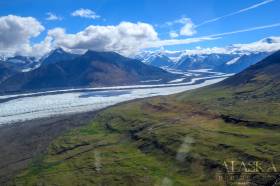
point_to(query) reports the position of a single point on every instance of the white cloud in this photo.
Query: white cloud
(16, 32)
(125, 38)
(188, 29)
(173, 34)
(86, 13)
(268, 45)
(218, 36)
(265, 45)
(171, 42)
(128, 38)
(183, 20)
(235, 13)
(53, 17)
(259, 46)
(42, 48)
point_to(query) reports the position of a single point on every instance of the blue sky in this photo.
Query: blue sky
(165, 16)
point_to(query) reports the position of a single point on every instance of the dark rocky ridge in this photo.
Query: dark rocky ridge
(92, 69)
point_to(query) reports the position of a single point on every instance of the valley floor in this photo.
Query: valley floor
(189, 138)
(171, 140)
(22, 107)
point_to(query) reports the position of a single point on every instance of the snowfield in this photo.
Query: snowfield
(24, 107)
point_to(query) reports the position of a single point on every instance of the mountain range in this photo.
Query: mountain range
(158, 59)
(61, 70)
(231, 59)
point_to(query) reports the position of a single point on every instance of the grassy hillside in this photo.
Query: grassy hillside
(183, 139)
(179, 139)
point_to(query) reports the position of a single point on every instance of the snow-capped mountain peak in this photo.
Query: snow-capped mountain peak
(232, 58)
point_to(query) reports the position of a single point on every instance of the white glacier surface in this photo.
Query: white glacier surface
(62, 102)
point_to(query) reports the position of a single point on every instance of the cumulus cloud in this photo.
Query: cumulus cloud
(53, 17)
(125, 38)
(16, 32)
(86, 13)
(187, 28)
(173, 34)
(42, 48)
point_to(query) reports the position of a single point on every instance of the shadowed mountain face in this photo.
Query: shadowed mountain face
(57, 55)
(161, 61)
(155, 59)
(261, 74)
(21, 63)
(182, 139)
(233, 62)
(89, 70)
(206, 61)
(241, 62)
(5, 72)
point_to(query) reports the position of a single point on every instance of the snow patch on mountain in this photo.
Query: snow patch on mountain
(234, 60)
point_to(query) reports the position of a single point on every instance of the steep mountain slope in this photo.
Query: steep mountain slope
(21, 63)
(242, 62)
(183, 139)
(161, 61)
(57, 55)
(89, 70)
(156, 59)
(231, 63)
(5, 71)
(203, 61)
(261, 74)
(252, 94)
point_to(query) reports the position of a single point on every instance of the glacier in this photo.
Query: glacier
(22, 107)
